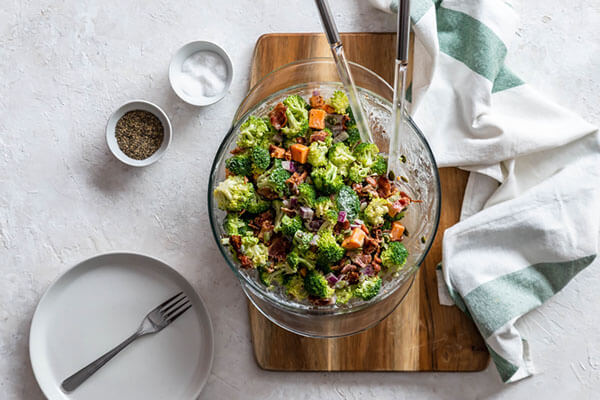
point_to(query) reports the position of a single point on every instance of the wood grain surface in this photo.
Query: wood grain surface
(420, 335)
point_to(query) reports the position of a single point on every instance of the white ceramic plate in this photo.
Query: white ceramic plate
(100, 302)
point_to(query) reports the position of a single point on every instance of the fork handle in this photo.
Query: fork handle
(73, 382)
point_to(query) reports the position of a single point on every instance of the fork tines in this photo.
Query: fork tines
(172, 308)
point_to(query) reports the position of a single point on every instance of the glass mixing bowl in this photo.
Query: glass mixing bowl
(422, 183)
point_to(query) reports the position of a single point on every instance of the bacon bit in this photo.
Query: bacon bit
(371, 181)
(376, 259)
(302, 272)
(348, 268)
(328, 109)
(376, 267)
(319, 136)
(353, 277)
(345, 120)
(258, 221)
(357, 187)
(236, 242)
(316, 101)
(363, 260)
(377, 234)
(267, 193)
(277, 116)
(371, 245)
(287, 155)
(267, 226)
(384, 188)
(296, 178)
(301, 140)
(227, 173)
(276, 152)
(245, 262)
(279, 248)
(365, 229)
(237, 150)
(341, 226)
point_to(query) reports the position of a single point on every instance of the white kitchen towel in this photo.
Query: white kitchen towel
(531, 213)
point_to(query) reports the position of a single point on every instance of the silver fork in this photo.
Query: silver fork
(154, 322)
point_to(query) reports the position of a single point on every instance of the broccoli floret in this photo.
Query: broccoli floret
(327, 179)
(351, 120)
(260, 159)
(366, 153)
(233, 194)
(257, 252)
(341, 157)
(316, 285)
(234, 225)
(329, 251)
(339, 101)
(295, 260)
(353, 136)
(297, 116)
(347, 200)
(379, 167)
(257, 205)
(322, 204)
(274, 179)
(343, 295)
(357, 172)
(394, 257)
(307, 194)
(277, 204)
(368, 288)
(317, 154)
(295, 287)
(302, 240)
(252, 132)
(375, 211)
(239, 165)
(268, 277)
(289, 226)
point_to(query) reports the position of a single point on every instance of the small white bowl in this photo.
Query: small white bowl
(132, 106)
(175, 72)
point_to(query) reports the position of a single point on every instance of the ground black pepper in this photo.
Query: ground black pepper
(139, 134)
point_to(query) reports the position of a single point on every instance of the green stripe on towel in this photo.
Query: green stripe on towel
(496, 302)
(469, 41)
(506, 79)
(505, 368)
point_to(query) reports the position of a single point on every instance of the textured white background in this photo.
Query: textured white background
(66, 65)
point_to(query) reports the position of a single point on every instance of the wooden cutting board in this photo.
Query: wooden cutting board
(420, 335)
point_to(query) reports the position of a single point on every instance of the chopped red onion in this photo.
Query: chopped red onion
(358, 222)
(314, 225)
(342, 216)
(313, 242)
(368, 270)
(316, 93)
(287, 165)
(306, 212)
(293, 202)
(331, 278)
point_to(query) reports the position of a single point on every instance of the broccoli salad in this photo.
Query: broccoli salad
(309, 206)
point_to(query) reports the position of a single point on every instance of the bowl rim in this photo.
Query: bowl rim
(144, 106)
(191, 48)
(296, 307)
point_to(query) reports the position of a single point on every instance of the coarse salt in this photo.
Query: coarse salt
(203, 74)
